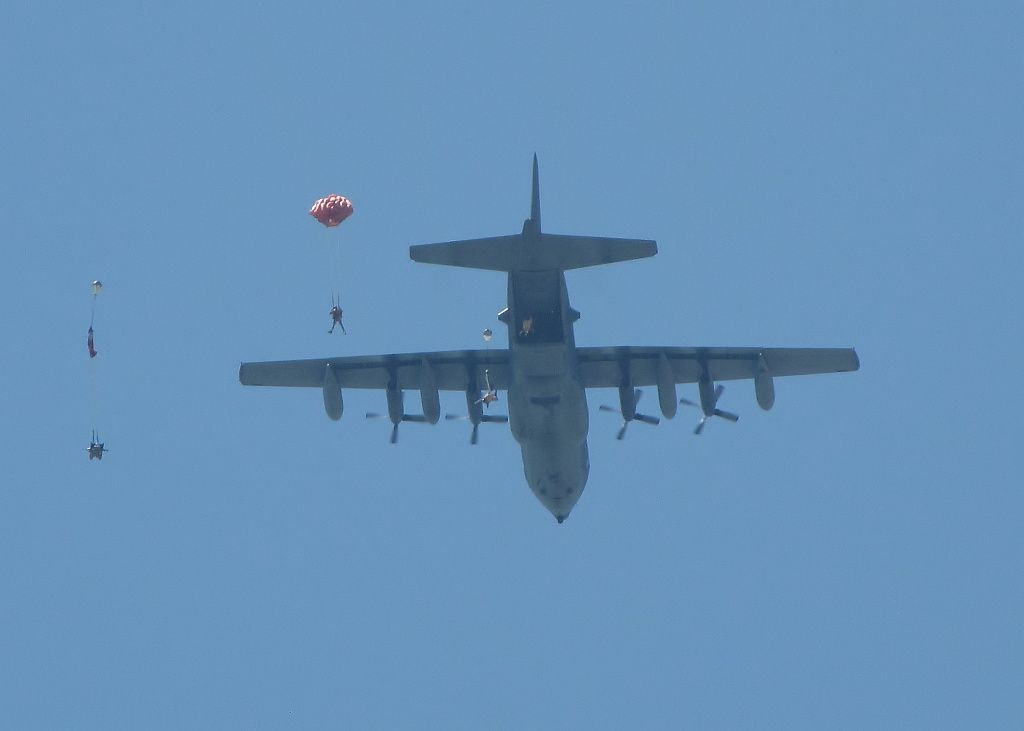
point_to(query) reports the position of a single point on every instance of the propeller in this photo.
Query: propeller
(394, 429)
(629, 415)
(714, 410)
(484, 419)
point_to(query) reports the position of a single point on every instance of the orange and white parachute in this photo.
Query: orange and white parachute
(331, 210)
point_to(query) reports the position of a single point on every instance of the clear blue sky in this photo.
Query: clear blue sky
(815, 174)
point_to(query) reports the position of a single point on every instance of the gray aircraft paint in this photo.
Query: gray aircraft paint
(543, 372)
(547, 402)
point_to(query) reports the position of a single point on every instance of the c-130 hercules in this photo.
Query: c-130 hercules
(543, 372)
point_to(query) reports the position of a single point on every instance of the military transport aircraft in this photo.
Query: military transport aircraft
(543, 373)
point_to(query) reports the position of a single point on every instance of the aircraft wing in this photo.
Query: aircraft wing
(452, 370)
(607, 367)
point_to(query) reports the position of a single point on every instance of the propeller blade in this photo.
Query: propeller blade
(622, 432)
(728, 415)
(647, 419)
(718, 392)
(372, 415)
(700, 425)
(688, 402)
(604, 407)
(484, 419)
(637, 393)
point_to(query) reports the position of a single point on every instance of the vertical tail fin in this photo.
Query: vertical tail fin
(531, 226)
(535, 200)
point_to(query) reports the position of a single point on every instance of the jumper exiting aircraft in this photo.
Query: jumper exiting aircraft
(543, 372)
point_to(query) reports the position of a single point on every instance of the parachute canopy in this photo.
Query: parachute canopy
(97, 285)
(332, 210)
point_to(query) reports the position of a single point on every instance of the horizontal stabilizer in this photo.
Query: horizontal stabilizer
(495, 253)
(576, 252)
(517, 253)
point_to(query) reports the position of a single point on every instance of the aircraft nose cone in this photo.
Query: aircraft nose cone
(559, 505)
(556, 476)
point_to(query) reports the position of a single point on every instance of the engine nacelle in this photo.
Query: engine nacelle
(474, 410)
(429, 397)
(666, 388)
(333, 403)
(396, 402)
(627, 400)
(706, 388)
(764, 386)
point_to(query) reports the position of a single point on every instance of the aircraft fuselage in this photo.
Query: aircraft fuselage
(543, 373)
(547, 403)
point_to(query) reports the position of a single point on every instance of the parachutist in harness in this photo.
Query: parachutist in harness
(96, 448)
(336, 313)
(490, 396)
(331, 210)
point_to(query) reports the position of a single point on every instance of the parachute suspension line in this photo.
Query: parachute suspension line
(334, 269)
(336, 284)
(329, 269)
(96, 287)
(93, 406)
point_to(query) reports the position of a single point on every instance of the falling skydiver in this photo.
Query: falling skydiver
(490, 396)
